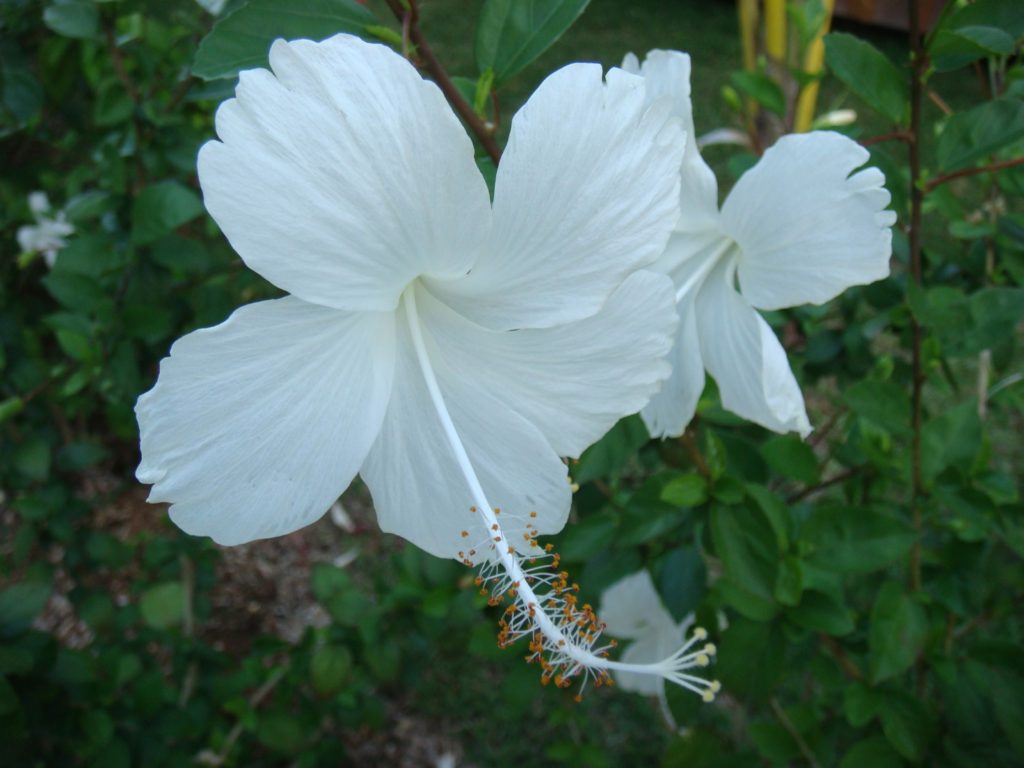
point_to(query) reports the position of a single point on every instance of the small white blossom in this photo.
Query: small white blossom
(632, 610)
(48, 233)
(799, 227)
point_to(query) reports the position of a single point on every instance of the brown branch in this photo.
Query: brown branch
(409, 17)
(939, 102)
(990, 168)
(906, 136)
(805, 750)
(920, 66)
(690, 444)
(837, 652)
(840, 478)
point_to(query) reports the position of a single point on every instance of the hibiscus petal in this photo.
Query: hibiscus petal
(667, 75)
(586, 193)
(809, 227)
(573, 381)
(632, 608)
(344, 175)
(673, 406)
(417, 486)
(748, 363)
(257, 425)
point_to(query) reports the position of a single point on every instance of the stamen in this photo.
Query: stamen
(562, 635)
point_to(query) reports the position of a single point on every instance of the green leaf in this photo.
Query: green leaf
(683, 581)
(906, 724)
(897, 633)
(791, 457)
(590, 535)
(982, 28)
(282, 733)
(868, 73)
(21, 95)
(873, 752)
(163, 606)
(745, 543)
(685, 490)
(329, 668)
(612, 451)
(950, 440)
(789, 582)
(1007, 691)
(241, 40)
(856, 539)
(762, 89)
(76, 291)
(884, 403)
(747, 662)
(818, 612)
(73, 18)
(512, 33)
(860, 704)
(10, 407)
(32, 458)
(993, 310)
(979, 132)
(162, 208)
(20, 604)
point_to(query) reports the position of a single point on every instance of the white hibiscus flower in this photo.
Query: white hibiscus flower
(799, 227)
(448, 350)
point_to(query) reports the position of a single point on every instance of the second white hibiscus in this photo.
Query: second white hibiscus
(800, 227)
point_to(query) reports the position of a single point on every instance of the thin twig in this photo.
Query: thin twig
(939, 102)
(690, 444)
(838, 653)
(805, 750)
(835, 480)
(409, 18)
(990, 168)
(254, 701)
(906, 136)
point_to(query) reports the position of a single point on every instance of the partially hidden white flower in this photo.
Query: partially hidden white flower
(213, 7)
(632, 610)
(447, 350)
(47, 235)
(799, 227)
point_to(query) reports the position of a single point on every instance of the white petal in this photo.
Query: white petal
(585, 194)
(418, 490)
(257, 425)
(673, 406)
(573, 381)
(807, 228)
(667, 76)
(747, 361)
(344, 175)
(631, 608)
(38, 203)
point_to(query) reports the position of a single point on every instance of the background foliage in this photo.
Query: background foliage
(864, 587)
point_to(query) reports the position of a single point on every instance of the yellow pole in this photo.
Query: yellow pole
(775, 29)
(748, 32)
(814, 58)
